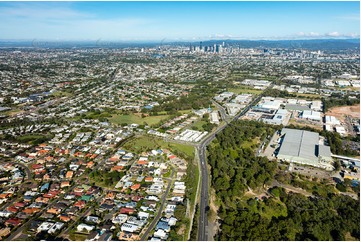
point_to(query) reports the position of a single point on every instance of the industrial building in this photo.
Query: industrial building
(271, 105)
(282, 116)
(316, 105)
(303, 147)
(332, 120)
(233, 108)
(311, 115)
(214, 118)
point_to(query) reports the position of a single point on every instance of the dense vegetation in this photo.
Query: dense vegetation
(233, 161)
(278, 216)
(335, 141)
(106, 178)
(292, 217)
(338, 100)
(278, 93)
(198, 97)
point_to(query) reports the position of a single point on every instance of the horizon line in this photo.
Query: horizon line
(187, 40)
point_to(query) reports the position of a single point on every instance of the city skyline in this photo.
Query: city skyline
(139, 21)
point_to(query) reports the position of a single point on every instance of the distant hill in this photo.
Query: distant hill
(316, 44)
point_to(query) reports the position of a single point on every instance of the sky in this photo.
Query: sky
(178, 20)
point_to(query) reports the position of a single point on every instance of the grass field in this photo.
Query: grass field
(61, 94)
(244, 89)
(279, 209)
(33, 138)
(185, 111)
(146, 143)
(250, 144)
(13, 112)
(137, 119)
(198, 125)
(309, 96)
(78, 236)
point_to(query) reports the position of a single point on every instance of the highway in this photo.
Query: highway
(203, 204)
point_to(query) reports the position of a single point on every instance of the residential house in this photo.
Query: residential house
(81, 227)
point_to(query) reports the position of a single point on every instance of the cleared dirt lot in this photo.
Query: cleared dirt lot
(341, 112)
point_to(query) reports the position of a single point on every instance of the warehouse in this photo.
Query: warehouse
(311, 115)
(282, 116)
(303, 147)
(271, 105)
(332, 120)
(316, 105)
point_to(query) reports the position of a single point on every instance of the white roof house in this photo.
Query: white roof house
(45, 226)
(143, 215)
(129, 227)
(172, 221)
(120, 219)
(160, 233)
(86, 227)
(55, 227)
(5, 214)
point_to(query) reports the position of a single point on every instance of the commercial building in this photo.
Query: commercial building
(341, 130)
(303, 147)
(316, 105)
(282, 116)
(214, 118)
(271, 105)
(233, 108)
(311, 115)
(332, 120)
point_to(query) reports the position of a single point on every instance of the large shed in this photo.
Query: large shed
(301, 146)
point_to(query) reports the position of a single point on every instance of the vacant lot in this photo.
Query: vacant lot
(340, 112)
(305, 123)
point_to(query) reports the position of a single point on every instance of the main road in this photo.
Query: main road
(203, 204)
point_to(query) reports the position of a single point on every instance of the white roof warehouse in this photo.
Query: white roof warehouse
(303, 147)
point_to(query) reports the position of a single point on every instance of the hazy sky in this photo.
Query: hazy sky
(178, 20)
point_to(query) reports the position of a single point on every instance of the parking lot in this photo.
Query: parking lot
(312, 171)
(270, 149)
